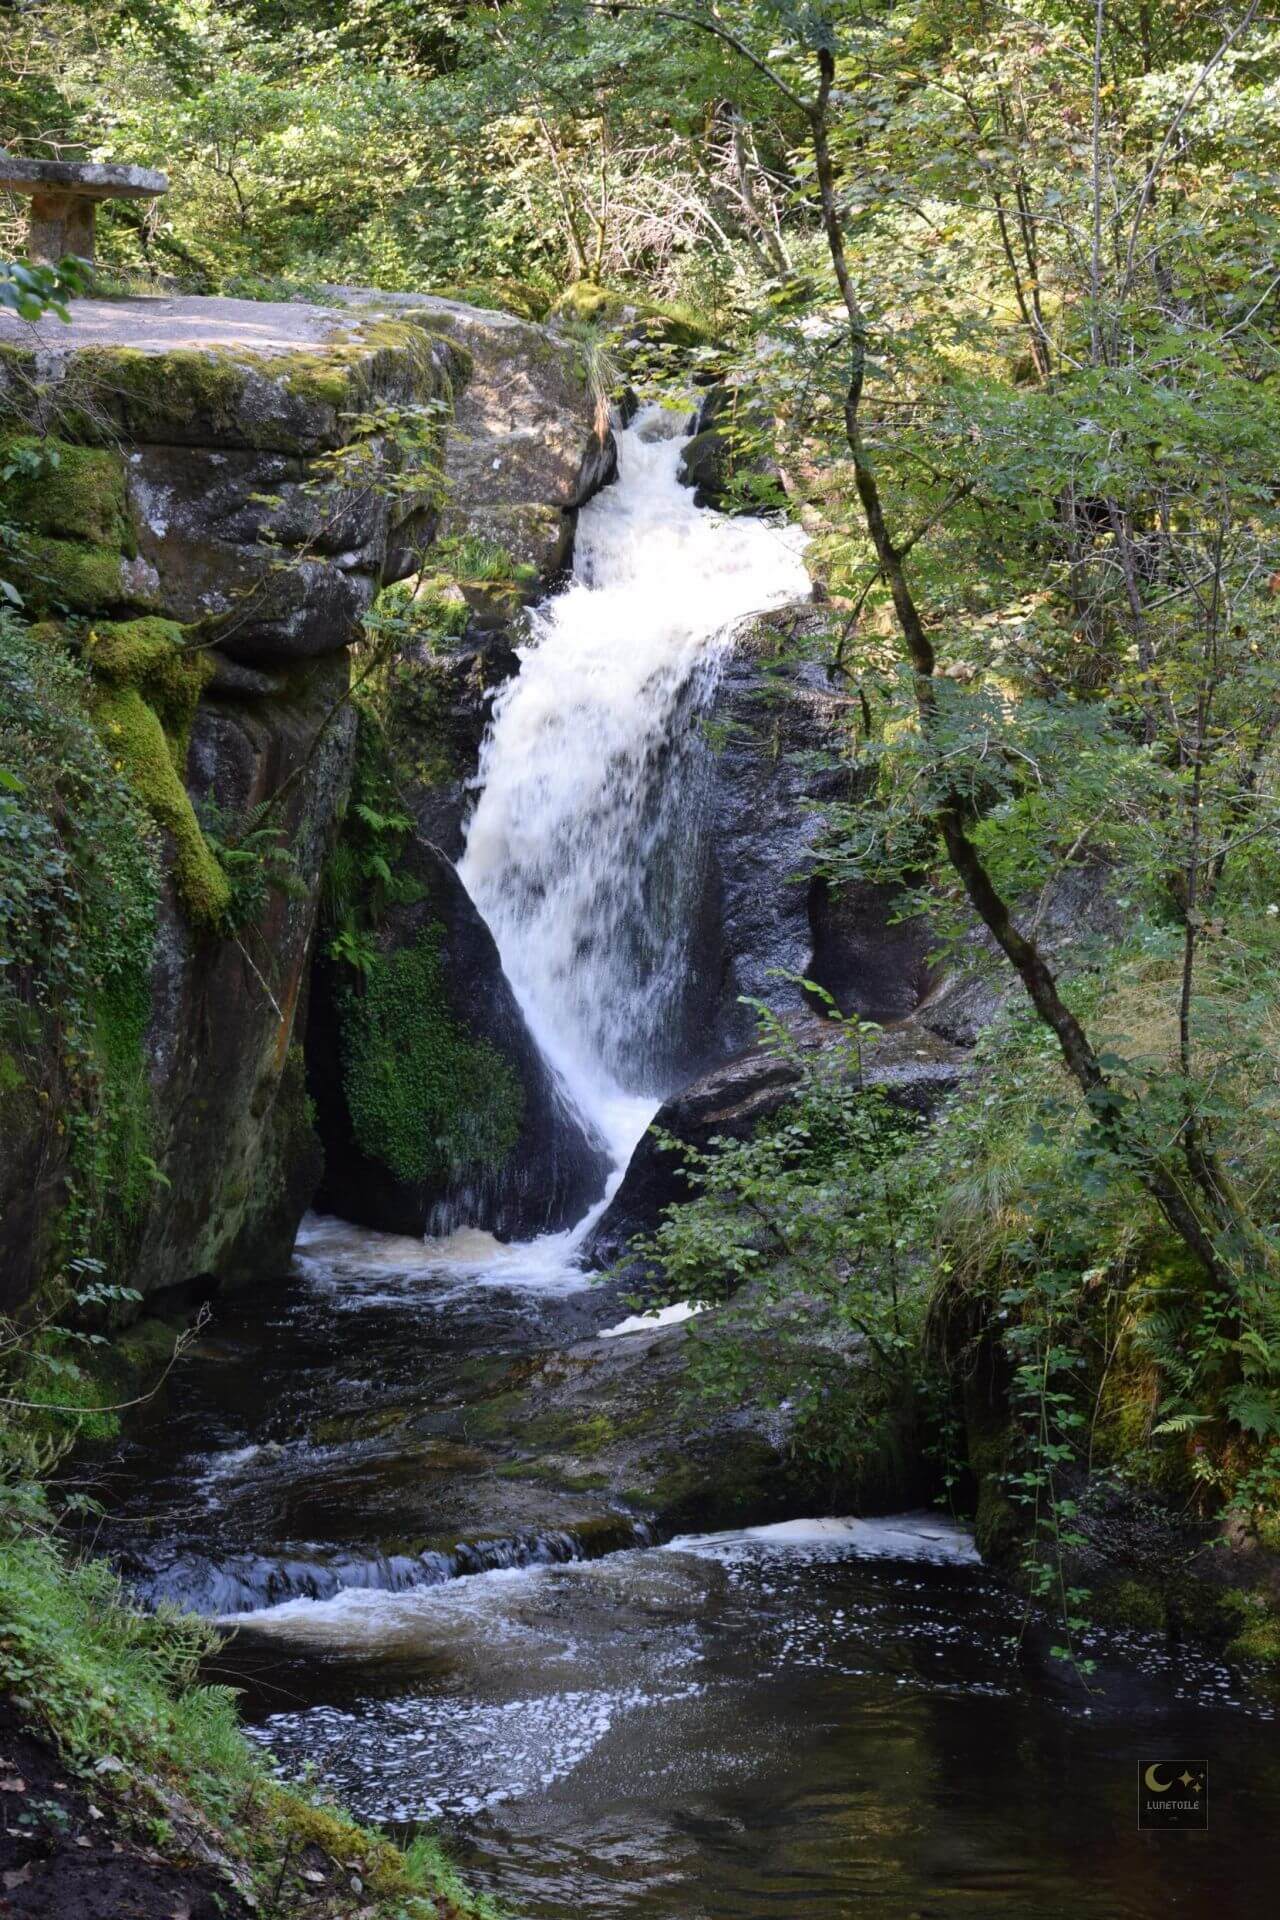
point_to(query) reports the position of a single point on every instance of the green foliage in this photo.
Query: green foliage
(808, 1233)
(79, 888)
(425, 1097)
(31, 290)
(254, 861)
(111, 1682)
(361, 877)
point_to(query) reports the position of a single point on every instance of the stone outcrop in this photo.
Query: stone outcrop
(231, 1130)
(915, 1068)
(260, 500)
(530, 442)
(454, 1118)
(779, 761)
(727, 460)
(209, 505)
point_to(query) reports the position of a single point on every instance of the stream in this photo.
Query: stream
(822, 1717)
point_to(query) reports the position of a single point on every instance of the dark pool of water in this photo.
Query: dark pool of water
(745, 1729)
(823, 1725)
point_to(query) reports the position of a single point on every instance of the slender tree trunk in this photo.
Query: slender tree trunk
(1110, 1108)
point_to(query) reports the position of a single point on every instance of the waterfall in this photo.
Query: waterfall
(577, 852)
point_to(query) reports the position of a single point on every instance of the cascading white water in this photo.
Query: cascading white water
(573, 852)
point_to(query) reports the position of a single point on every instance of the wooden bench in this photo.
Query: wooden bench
(64, 197)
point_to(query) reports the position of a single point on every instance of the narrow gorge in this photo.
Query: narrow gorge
(480, 1548)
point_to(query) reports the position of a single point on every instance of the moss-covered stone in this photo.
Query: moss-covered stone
(1256, 1620)
(70, 574)
(1128, 1603)
(520, 297)
(73, 493)
(426, 1099)
(607, 307)
(297, 402)
(149, 684)
(133, 734)
(157, 657)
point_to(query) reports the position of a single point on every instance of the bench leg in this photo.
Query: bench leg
(61, 223)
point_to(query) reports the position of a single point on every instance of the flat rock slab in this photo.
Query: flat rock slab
(154, 325)
(89, 179)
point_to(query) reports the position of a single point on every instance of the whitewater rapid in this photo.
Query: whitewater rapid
(576, 852)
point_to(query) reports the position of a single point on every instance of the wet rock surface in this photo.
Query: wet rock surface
(388, 1420)
(779, 737)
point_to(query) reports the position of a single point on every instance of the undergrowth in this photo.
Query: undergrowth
(113, 1685)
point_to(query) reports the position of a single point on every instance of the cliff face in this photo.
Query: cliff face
(207, 498)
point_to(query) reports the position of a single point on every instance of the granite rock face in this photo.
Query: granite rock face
(232, 1130)
(780, 760)
(223, 467)
(264, 500)
(915, 1068)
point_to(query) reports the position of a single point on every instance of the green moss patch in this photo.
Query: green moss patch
(72, 574)
(133, 735)
(292, 402)
(426, 1098)
(150, 681)
(607, 307)
(73, 493)
(155, 657)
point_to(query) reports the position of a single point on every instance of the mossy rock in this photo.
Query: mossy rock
(133, 735)
(302, 401)
(1256, 1622)
(69, 492)
(527, 302)
(426, 1098)
(1128, 1603)
(157, 658)
(74, 575)
(598, 306)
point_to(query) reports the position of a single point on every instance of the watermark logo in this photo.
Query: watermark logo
(1173, 1796)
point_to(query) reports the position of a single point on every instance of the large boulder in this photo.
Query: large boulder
(529, 441)
(780, 760)
(181, 488)
(434, 1104)
(915, 1068)
(259, 498)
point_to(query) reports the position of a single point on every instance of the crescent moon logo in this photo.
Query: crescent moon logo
(1153, 1783)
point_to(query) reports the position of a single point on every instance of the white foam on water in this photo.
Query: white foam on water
(365, 1617)
(896, 1537)
(672, 1316)
(367, 1267)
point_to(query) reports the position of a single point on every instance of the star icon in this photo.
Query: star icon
(1186, 1779)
